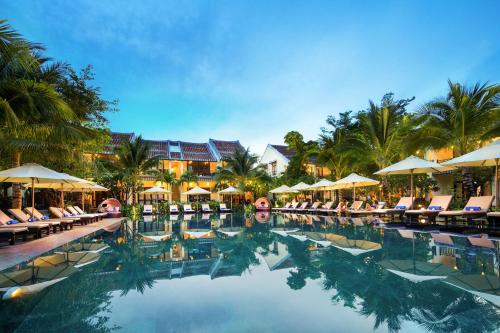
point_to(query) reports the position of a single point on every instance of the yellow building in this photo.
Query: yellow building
(179, 157)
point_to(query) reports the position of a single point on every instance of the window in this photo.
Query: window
(273, 168)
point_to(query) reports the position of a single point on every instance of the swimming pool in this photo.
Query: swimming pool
(267, 273)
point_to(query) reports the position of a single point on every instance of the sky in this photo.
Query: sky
(254, 70)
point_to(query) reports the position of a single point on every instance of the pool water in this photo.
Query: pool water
(260, 273)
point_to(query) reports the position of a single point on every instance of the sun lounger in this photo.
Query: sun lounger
(223, 208)
(326, 208)
(206, 208)
(438, 203)
(403, 205)
(67, 224)
(188, 209)
(75, 212)
(314, 207)
(174, 209)
(285, 207)
(493, 217)
(302, 207)
(147, 210)
(476, 207)
(80, 211)
(25, 218)
(59, 214)
(11, 234)
(293, 206)
(367, 212)
(37, 229)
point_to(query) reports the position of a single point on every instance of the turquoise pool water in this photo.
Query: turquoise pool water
(263, 273)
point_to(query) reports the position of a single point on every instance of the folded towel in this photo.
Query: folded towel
(434, 207)
(45, 217)
(32, 219)
(66, 215)
(472, 209)
(401, 207)
(13, 221)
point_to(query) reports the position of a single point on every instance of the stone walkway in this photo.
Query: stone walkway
(11, 255)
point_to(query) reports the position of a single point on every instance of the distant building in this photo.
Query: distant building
(277, 157)
(178, 157)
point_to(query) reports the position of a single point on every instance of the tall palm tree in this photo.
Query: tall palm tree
(189, 177)
(241, 170)
(381, 137)
(34, 115)
(134, 159)
(460, 121)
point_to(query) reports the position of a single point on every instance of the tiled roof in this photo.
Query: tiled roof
(225, 148)
(284, 150)
(159, 148)
(116, 140)
(196, 152)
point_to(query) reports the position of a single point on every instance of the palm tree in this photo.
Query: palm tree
(34, 115)
(380, 139)
(460, 121)
(241, 170)
(189, 177)
(134, 160)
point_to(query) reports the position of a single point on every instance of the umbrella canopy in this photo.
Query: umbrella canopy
(35, 174)
(76, 259)
(282, 189)
(300, 187)
(196, 191)
(76, 184)
(355, 246)
(354, 180)
(411, 165)
(484, 286)
(323, 184)
(230, 190)
(416, 271)
(485, 156)
(488, 155)
(156, 190)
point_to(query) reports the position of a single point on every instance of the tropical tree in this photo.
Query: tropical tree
(241, 170)
(134, 159)
(334, 151)
(303, 151)
(34, 115)
(189, 177)
(460, 121)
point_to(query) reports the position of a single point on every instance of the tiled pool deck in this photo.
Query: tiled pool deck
(11, 255)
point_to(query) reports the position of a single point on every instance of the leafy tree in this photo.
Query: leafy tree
(460, 121)
(242, 171)
(303, 152)
(134, 160)
(189, 177)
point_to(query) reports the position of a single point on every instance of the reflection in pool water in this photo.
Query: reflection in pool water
(273, 273)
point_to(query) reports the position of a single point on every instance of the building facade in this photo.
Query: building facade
(178, 157)
(277, 157)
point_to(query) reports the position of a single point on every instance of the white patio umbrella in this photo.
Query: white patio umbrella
(34, 174)
(300, 187)
(488, 155)
(86, 187)
(156, 190)
(282, 190)
(321, 185)
(196, 191)
(412, 165)
(230, 191)
(354, 180)
(417, 271)
(77, 185)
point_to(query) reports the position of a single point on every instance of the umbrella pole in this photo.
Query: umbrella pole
(32, 197)
(353, 192)
(496, 183)
(411, 187)
(83, 200)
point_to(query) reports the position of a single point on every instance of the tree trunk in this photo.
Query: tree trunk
(467, 184)
(17, 197)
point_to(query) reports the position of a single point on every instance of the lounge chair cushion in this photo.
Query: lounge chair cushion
(472, 209)
(434, 208)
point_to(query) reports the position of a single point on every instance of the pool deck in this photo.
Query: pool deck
(11, 255)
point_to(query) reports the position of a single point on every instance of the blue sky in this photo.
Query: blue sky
(193, 70)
